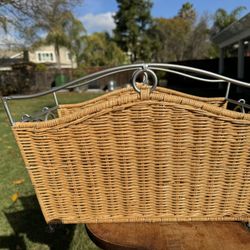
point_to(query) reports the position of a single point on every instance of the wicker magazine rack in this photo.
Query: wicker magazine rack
(140, 154)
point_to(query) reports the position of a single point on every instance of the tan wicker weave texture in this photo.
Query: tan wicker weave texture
(71, 108)
(140, 157)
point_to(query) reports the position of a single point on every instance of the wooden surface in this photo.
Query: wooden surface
(172, 236)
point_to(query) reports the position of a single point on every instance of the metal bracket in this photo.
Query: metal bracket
(145, 71)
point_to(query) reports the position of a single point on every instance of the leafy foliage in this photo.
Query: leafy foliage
(102, 51)
(3, 23)
(170, 39)
(76, 39)
(133, 19)
(54, 20)
(187, 12)
(182, 37)
(137, 36)
(199, 45)
(24, 14)
(222, 18)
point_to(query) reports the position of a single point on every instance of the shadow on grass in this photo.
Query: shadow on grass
(12, 242)
(30, 222)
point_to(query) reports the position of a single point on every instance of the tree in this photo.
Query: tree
(133, 20)
(53, 19)
(182, 37)
(16, 12)
(76, 36)
(170, 39)
(24, 15)
(187, 12)
(199, 44)
(222, 18)
(3, 23)
(3, 17)
(102, 51)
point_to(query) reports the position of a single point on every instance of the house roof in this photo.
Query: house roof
(235, 32)
(7, 53)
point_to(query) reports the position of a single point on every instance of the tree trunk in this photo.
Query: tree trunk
(72, 60)
(58, 58)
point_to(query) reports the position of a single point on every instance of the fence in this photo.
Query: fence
(25, 78)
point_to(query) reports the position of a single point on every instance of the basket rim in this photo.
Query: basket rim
(130, 97)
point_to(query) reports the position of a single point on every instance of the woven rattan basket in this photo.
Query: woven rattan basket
(149, 156)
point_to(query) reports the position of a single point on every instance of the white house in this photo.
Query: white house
(42, 54)
(46, 54)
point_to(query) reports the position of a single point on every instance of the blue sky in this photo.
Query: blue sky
(96, 15)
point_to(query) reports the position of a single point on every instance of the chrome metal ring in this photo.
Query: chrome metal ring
(145, 80)
(145, 76)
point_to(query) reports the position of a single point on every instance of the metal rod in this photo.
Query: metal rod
(200, 71)
(55, 98)
(160, 66)
(82, 80)
(186, 75)
(172, 68)
(46, 112)
(228, 90)
(7, 110)
(239, 103)
(97, 78)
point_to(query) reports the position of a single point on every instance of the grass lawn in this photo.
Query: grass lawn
(22, 225)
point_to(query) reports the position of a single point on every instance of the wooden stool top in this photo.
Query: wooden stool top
(172, 236)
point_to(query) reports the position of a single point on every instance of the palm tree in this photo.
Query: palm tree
(187, 12)
(76, 35)
(52, 20)
(222, 18)
(54, 26)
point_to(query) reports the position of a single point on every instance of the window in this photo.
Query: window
(69, 56)
(45, 57)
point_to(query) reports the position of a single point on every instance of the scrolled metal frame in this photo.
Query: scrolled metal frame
(44, 115)
(146, 69)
